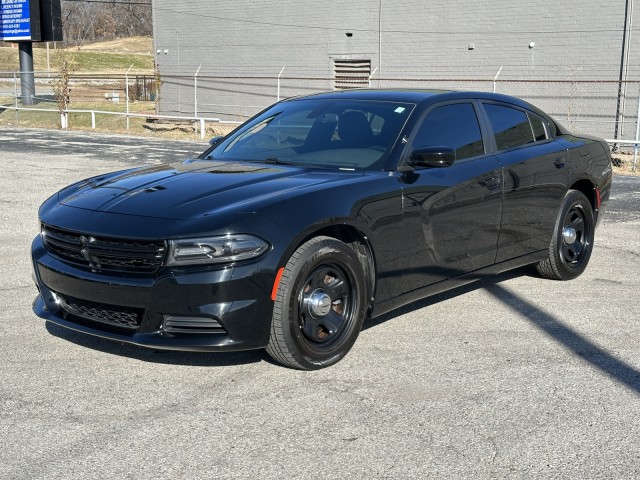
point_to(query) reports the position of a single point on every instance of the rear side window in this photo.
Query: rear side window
(456, 126)
(510, 126)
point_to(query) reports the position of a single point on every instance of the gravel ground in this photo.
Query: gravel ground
(512, 377)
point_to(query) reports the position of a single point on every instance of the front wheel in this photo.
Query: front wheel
(319, 307)
(572, 241)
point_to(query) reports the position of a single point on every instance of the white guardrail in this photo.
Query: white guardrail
(201, 121)
(635, 143)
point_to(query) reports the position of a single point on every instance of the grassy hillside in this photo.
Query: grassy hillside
(103, 57)
(114, 56)
(142, 45)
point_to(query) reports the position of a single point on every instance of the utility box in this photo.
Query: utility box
(112, 96)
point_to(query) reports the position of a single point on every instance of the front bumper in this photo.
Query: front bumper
(221, 309)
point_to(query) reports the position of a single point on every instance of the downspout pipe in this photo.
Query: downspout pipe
(623, 56)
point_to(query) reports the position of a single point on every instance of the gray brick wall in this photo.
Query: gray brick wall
(418, 39)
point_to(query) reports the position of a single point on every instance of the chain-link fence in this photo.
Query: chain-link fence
(606, 108)
(582, 106)
(85, 89)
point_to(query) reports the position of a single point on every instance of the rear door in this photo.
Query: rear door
(536, 177)
(451, 214)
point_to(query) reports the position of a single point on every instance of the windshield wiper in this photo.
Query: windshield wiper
(276, 161)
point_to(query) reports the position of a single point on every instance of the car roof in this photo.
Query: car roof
(397, 95)
(414, 96)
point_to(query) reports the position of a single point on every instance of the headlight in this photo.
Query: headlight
(230, 248)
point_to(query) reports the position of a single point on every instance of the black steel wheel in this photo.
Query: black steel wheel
(572, 241)
(320, 305)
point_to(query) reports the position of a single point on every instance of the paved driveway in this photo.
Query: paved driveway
(513, 377)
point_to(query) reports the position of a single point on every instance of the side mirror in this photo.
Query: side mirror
(432, 157)
(215, 140)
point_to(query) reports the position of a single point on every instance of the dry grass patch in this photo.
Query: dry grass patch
(623, 163)
(139, 45)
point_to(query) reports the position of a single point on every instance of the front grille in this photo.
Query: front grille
(121, 317)
(103, 253)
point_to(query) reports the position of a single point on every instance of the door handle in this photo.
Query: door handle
(491, 183)
(559, 162)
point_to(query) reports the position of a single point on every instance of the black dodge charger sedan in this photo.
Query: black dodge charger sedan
(316, 213)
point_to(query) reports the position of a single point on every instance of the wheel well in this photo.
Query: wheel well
(588, 189)
(359, 243)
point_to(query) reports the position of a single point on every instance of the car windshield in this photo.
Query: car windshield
(330, 133)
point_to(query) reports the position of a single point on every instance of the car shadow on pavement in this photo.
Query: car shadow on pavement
(604, 361)
(172, 357)
(607, 363)
(482, 281)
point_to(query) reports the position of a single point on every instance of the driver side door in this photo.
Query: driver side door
(451, 214)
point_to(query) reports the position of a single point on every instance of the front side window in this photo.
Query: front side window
(455, 126)
(511, 127)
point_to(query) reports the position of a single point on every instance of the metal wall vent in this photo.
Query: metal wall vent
(351, 73)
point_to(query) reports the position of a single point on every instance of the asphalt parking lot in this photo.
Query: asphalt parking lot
(512, 377)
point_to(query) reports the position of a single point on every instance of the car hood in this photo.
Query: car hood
(194, 188)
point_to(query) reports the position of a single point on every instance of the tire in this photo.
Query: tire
(572, 240)
(319, 307)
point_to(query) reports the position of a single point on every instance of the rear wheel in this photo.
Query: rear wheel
(320, 305)
(572, 241)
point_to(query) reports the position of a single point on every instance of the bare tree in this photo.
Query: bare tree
(84, 21)
(62, 92)
(105, 26)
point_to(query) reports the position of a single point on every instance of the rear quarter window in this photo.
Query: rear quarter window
(537, 125)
